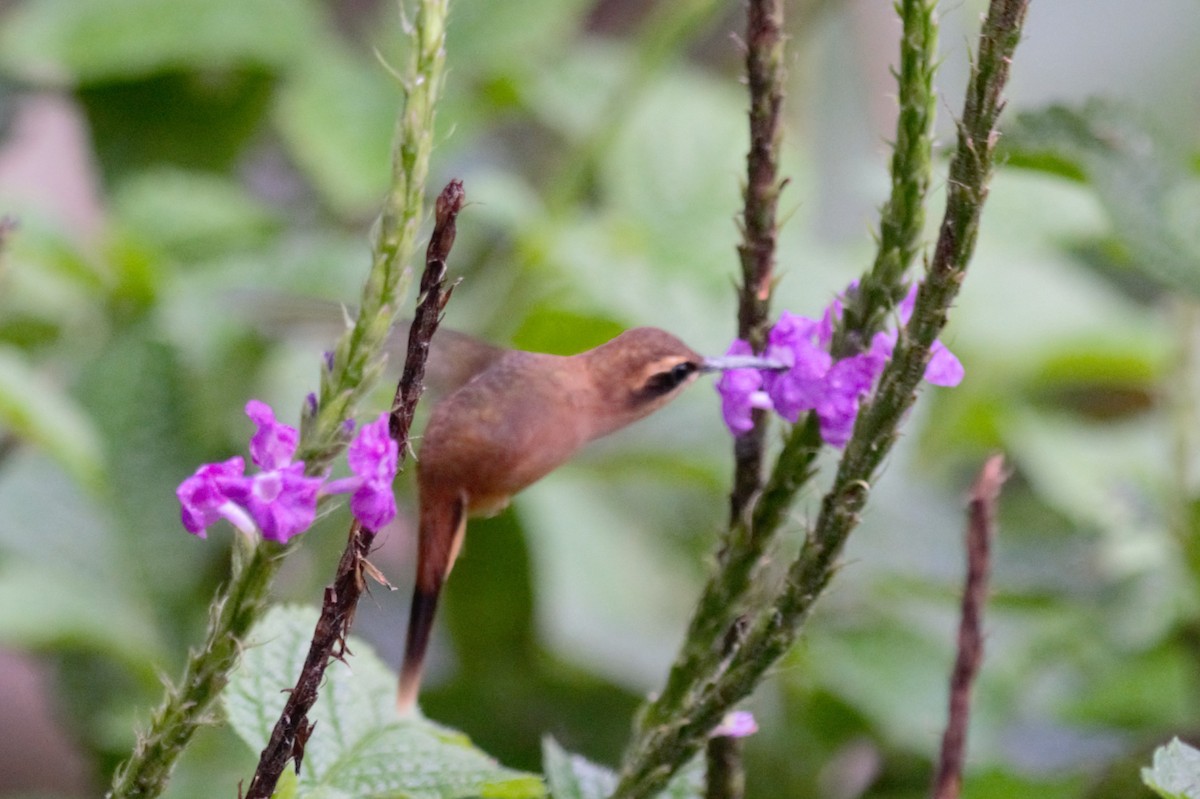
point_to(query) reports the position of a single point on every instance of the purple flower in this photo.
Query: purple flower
(795, 341)
(813, 381)
(279, 501)
(737, 724)
(372, 456)
(282, 502)
(203, 498)
(274, 444)
(944, 369)
(845, 384)
(741, 392)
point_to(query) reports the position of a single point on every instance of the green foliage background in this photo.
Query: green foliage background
(236, 152)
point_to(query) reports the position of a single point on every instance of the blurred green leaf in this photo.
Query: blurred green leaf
(1098, 381)
(191, 214)
(588, 538)
(1175, 772)
(33, 409)
(1103, 477)
(359, 746)
(571, 776)
(336, 113)
(1003, 784)
(886, 670)
(561, 332)
(87, 41)
(1141, 178)
(141, 123)
(1142, 690)
(511, 34)
(139, 393)
(48, 609)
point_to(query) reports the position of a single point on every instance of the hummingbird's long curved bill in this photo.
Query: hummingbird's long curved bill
(727, 362)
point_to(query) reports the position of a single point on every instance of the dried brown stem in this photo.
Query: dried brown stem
(292, 729)
(724, 778)
(980, 531)
(765, 75)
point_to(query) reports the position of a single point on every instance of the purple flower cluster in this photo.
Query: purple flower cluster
(814, 381)
(280, 501)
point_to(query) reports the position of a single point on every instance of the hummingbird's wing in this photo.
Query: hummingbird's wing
(454, 357)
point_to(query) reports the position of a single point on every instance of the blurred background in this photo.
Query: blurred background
(184, 177)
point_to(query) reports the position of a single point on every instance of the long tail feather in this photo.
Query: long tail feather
(443, 523)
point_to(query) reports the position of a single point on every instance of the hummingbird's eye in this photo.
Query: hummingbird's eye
(665, 382)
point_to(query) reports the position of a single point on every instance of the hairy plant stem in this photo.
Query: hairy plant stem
(902, 218)
(239, 603)
(351, 370)
(981, 530)
(358, 359)
(716, 610)
(756, 516)
(292, 729)
(660, 749)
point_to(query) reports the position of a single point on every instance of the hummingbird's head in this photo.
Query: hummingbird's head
(643, 369)
(639, 371)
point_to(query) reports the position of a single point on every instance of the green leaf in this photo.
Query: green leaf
(191, 214)
(141, 397)
(571, 776)
(359, 746)
(34, 409)
(46, 609)
(513, 33)
(85, 41)
(336, 115)
(1175, 772)
(1143, 181)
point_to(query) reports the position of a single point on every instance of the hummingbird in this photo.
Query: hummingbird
(511, 418)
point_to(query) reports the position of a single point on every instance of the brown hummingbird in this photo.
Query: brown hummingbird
(513, 417)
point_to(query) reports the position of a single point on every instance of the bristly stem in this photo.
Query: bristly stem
(659, 750)
(717, 607)
(352, 369)
(357, 361)
(756, 517)
(981, 529)
(291, 731)
(902, 218)
(765, 76)
(724, 776)
(238, 605)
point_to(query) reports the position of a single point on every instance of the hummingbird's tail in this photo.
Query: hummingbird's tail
(443, 523)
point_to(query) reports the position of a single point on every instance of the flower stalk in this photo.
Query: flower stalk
(717, 607)
(662, 746)
(757, 510)
(351, 371)
(357, 360)
(291, 730)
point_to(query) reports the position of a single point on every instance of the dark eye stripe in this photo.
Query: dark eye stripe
(664, 382)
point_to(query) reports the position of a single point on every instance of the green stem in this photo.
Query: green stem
(355, 365)
(660, 750)
(902, 218)
(357, 361)
(748, 539)
(718, 605)
(185, 707)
